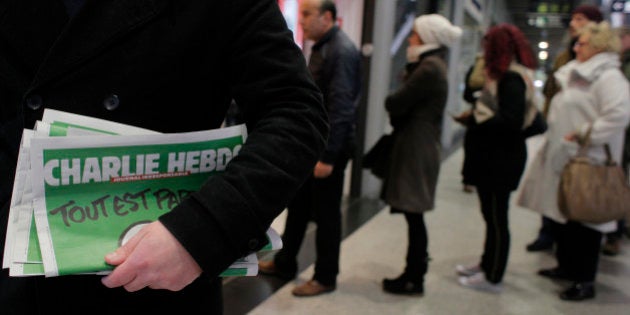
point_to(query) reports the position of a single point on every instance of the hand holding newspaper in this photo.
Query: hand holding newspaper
(91, 191)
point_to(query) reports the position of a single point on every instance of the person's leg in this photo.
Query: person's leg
(298, 214)
(494, 207)
(564, 243)
(417, 255)
(613, 240)
(411, 281)
(327, 210)
(546, 236)
(583, 252)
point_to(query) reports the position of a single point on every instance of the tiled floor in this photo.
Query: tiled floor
(377, 248)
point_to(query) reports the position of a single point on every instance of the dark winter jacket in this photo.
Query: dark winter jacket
(337, 75)
(495, 149)
(169, 66)
(416, 113)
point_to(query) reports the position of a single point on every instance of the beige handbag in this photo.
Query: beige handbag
(593, 193)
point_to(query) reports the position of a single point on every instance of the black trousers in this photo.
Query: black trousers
(618, 233)
(578, 251)
(417, 254)
(547, 231)
(494, 208)
(318, 199)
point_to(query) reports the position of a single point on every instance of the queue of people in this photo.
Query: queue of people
(495, 149)
(307, 109)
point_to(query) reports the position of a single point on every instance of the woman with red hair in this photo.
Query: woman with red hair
(496, 152)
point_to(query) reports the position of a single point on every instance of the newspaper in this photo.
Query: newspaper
(92, 190)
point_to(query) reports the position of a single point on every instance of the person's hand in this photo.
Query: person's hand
(322, 170)
(152, 258)
(463, 117)
(571, 136)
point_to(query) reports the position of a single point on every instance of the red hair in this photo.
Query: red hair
(502, 44)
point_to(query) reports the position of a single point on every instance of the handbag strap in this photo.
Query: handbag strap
(609, 159)
(586, 142)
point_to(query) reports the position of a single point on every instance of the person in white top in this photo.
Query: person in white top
(594, 92)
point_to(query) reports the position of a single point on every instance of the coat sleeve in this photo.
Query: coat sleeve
(287, 130)
(417, 89)
(612, 95)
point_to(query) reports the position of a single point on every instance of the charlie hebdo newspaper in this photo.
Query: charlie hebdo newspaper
(84, 186)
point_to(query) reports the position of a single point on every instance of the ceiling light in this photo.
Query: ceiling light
(543, 55)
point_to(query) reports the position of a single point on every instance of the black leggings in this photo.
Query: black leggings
(417, 255)
(494, 208)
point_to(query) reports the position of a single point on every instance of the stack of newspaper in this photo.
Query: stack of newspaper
(84, 186)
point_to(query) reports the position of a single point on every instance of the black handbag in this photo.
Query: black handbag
(377, 159)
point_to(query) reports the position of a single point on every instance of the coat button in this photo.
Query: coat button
(34, 102)
(111, 102)
(253, 244)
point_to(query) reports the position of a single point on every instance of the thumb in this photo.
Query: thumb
(118, 256)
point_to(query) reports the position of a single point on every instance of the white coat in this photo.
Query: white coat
(593, 92)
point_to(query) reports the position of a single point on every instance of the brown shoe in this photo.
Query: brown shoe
(269, 268)
(312, 288)
(469, 188)
(611, 248)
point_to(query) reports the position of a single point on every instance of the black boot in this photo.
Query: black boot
(403, 285)
(579, 291)
(539, 245)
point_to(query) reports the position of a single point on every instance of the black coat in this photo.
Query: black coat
(170, 66)
(495, 150)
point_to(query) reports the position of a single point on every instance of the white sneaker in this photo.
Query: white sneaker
(478, 282)
(467, 271)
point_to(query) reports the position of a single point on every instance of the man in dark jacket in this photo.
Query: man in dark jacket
(334, 64)
(169, 66)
